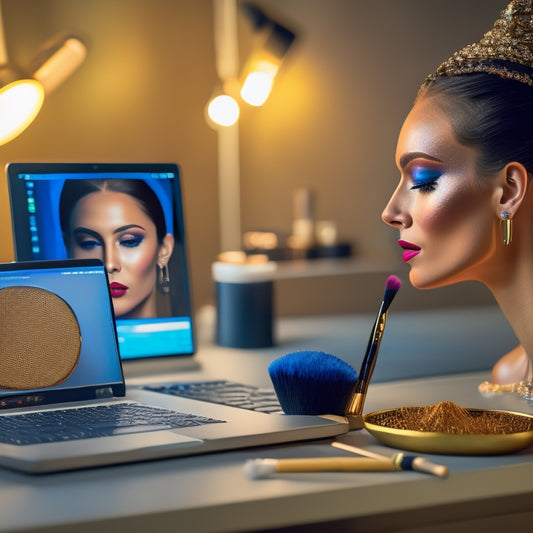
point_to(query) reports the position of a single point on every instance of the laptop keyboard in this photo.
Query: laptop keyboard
(225, 393)
(93, 421)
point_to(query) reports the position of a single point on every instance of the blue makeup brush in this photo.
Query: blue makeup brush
(318, 383)
(312, 383)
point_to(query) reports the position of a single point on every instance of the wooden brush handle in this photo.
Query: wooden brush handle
(335, 464)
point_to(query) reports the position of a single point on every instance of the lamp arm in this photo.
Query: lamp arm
(66, 57)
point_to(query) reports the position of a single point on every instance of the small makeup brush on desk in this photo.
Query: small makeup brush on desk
(318, 383)
(370, 462)
(262, 468)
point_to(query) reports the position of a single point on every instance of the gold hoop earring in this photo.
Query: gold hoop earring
(507, 227)
(164, 279)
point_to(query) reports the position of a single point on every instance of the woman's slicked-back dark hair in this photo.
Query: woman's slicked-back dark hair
(492, 114)
(74, 190)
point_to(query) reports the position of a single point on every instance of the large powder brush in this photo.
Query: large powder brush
(318, 383)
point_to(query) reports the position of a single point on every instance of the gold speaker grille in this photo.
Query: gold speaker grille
(40, 338)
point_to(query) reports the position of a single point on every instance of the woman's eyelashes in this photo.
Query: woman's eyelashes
(131, 240)
(425, 179)
(89, 241)
(88, 244)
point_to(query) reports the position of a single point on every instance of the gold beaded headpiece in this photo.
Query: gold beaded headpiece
(506, 50)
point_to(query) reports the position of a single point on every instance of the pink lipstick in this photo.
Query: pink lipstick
(117, 289)
(410, 250)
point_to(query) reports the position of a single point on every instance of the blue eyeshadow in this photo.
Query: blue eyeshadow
(425, 175)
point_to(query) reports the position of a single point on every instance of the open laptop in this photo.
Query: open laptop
(86, 417)
(42, 197)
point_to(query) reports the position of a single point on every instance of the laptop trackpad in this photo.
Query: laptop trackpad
(155, 439)
(141, 428)
(67, 455)
(140, 442)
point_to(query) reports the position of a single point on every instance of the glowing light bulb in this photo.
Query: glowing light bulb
(257, 87)
(223, 110)
(20, 102)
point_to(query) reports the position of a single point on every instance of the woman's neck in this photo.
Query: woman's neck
(146, 309)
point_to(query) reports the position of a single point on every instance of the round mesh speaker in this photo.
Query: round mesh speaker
(40, 338)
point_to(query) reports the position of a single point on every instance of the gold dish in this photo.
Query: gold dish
(517, 434)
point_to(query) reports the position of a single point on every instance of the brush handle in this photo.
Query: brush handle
(259, 468)
(369, 361)
(336, 464)
(355, 406)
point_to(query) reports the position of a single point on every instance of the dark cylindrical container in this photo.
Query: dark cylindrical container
(245, 305)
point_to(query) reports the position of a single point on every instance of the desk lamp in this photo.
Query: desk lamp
(22, 95)
(271, 42)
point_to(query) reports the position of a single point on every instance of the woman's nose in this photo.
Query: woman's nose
(395, 214)
(112, 261)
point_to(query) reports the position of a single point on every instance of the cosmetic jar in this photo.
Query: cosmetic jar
(244, 304)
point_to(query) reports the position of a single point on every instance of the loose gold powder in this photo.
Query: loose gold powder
(447, 417)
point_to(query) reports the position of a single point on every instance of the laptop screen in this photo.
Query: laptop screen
(51, 346)
(130, 217)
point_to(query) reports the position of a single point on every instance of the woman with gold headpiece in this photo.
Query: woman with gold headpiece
(464, 205)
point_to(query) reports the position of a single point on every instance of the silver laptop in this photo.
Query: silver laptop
(47, 225)
(63, 399)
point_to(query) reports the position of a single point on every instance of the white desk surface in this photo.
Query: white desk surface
(210, 493)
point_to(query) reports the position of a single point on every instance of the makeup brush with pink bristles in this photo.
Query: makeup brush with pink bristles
(318, 383)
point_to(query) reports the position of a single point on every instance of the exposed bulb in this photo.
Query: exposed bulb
(223, 110)
(256, 88)
(20, 102)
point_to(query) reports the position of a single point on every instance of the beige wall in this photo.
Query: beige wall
(139, 97)
(330, 124)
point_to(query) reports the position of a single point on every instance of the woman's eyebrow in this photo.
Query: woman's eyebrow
(127, 227)
(409, 156)
(87, 231)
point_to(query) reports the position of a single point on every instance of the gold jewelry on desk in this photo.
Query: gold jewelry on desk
(487, 386)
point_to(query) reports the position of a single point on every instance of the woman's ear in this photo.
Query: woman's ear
(165, 250)
(514, 188)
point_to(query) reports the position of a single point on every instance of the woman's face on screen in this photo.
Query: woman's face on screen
(444, 211)
(111, 226)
